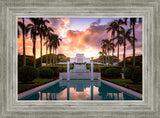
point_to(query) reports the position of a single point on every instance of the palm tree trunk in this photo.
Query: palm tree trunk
(53, 56)
(24, 51)
(108, 59)
(34, 53)
(50, 56)
(124, 57)
(134, 60)
(41, 49)
(46, 56)
(118, 47)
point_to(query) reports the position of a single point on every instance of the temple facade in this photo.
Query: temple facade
(79, 59)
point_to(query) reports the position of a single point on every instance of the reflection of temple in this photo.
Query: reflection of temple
(79, 85)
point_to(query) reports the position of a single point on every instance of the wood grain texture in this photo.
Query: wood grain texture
(11, 9)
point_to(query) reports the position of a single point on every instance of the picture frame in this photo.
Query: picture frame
(11, 10)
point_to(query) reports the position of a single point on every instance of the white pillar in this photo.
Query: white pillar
(68, 71)
(91, 69)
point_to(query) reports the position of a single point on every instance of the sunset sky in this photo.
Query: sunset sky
(80, 35)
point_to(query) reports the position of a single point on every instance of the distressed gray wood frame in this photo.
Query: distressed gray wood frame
(149, 107)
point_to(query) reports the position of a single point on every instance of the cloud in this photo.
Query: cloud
(87, 41)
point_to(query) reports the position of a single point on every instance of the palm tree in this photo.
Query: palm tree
(50, 44)
(56, 44)
(109, 47)
(34, 33)
(24, 33)
(117, 24)
(112, 29)
(101, 53)
(132, 23)
(125, 36)
(49, 32)
(42, 29)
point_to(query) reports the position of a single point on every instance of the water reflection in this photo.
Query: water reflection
(75, 89)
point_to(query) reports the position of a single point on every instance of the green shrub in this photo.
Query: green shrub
(46, 73)
(112, 72)
(134, 74)
(56, 70)
(103, 69)
(27, 73)
(63, 69)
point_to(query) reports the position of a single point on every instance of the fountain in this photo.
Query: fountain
(80, 71)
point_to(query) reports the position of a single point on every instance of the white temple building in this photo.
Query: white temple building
(79, 59)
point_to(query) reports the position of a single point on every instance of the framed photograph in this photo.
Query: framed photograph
(79, 58)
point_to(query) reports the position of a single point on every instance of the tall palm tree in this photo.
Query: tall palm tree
(42, 29)
(132, 23)
(50, 45)
(24, 29)
(33, 27)
(49, 32)
(117, 24)
(112, 29)
(125, 35)
(104, 51)
(56, 44)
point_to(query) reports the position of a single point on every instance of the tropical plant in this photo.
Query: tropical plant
(24, 29)
(49, 32)
(117, 24)
(112, 29)
(108, 47)
(42, 30)
(56, 44)
(125, 36)
(33, 26)
(132, 23)
(101, 53)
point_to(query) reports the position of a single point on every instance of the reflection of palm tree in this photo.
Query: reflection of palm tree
(33, 28)
(24, 32)
(125, 35)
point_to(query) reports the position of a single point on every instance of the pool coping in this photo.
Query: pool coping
(29, 92)
(129, 91)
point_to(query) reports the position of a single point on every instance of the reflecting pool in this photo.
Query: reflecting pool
(80, 89)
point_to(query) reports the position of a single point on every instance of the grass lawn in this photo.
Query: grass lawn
(40, 81)
(36, 82)
(137, 87)
(22, 86)
(122, 81)
(127, 82)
